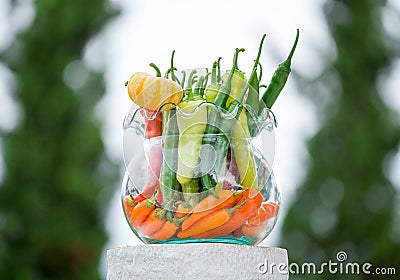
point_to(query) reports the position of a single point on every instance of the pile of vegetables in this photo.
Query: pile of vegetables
(186, 194)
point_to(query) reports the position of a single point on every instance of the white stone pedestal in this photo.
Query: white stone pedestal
(197, 261)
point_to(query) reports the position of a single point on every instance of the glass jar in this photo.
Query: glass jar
(206, 178)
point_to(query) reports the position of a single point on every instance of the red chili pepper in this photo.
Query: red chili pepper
(140, 198)
(154, 155)
(153, 126)
(148, 193)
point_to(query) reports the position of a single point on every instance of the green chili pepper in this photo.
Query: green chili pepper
(209, 180)
(254, 81)
(225, 89)
(238, 82)
(211, 91)
(198, 89)
(278, 80)
(170, 134)
(254, 88)
(222, 140)
(168, 176)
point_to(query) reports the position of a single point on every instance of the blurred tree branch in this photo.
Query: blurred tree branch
(58, 178)
(346, 202)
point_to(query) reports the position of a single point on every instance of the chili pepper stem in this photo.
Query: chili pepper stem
(183, 79)
(172, 69)
(158, 72)
(150, 204)
(168, 215)
(132, 201)
(160, 213)
(261, 71)
(231, 210)
(179, 221)
(214, 73)
(191, 80)
(219, 69)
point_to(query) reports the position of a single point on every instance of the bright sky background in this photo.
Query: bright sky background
(201, 31)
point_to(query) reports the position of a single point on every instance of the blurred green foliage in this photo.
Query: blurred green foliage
(346, 203)
(57, 177)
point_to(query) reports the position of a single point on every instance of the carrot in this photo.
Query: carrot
(151, 224)
(128, 204)
(253, 200)
(141, 211)
(213, 220)
(167, 231)
(226, 198)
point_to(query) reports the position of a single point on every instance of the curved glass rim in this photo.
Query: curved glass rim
(267, 115)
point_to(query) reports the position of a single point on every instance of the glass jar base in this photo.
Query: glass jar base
(223, 239)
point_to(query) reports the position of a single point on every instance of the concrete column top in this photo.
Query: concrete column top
(197, 261)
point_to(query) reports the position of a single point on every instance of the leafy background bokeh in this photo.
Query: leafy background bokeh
(62, 102)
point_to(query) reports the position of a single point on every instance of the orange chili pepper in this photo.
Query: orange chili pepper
(181, 211)
(253, 200)
(226, 198)
(266, 211)
(151, 224)
(253, 231)
(213, 220)
(167, 231)
(140, 213)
